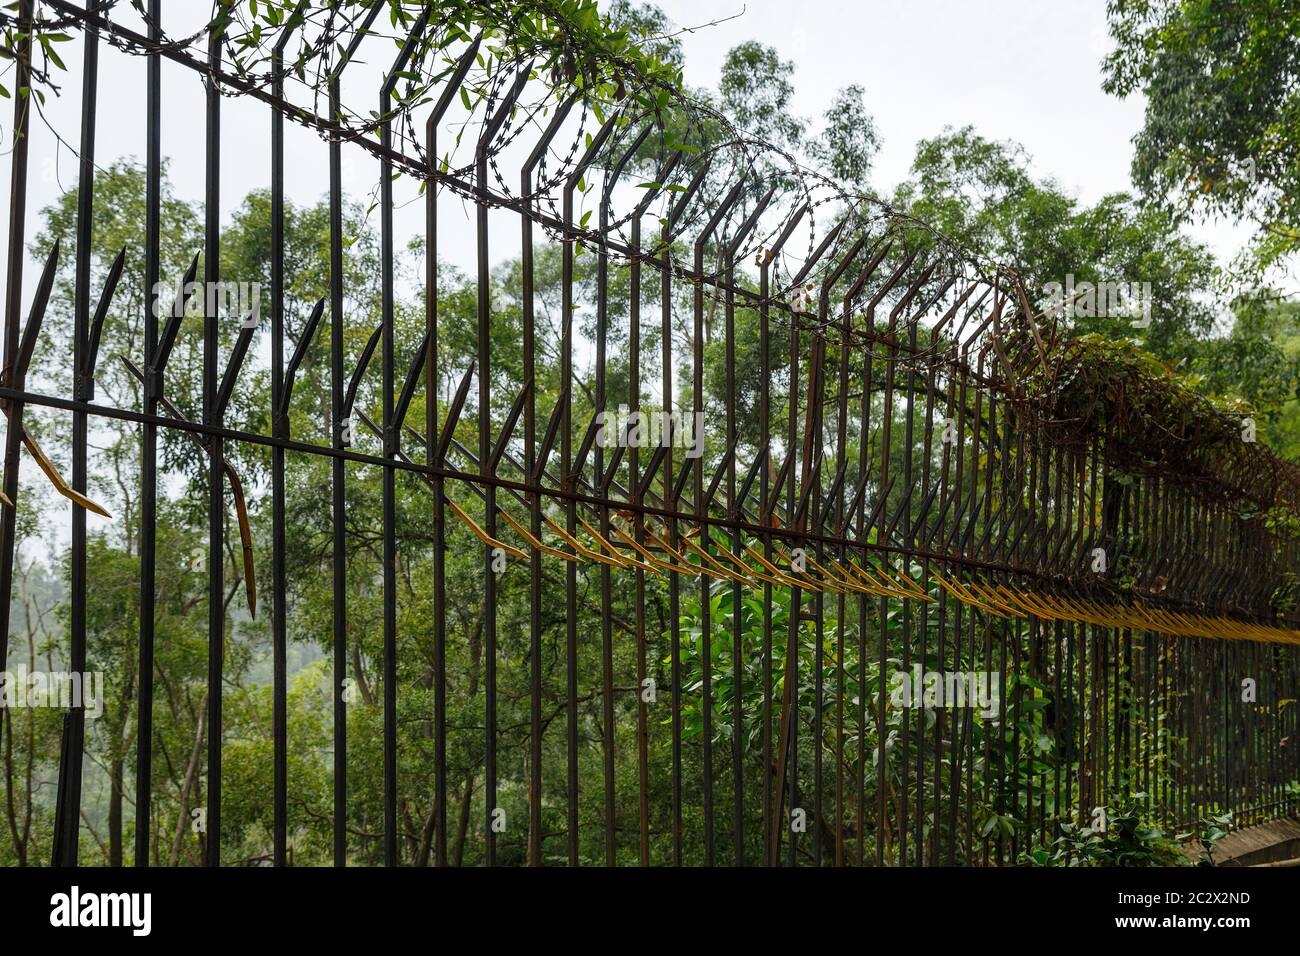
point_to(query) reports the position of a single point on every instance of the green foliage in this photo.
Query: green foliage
(1213, 829)
(981, 194)
(1124, 840)
(850, 140)
(755, 92)
(1259, 363)
(1118, 382)
(1220, 85)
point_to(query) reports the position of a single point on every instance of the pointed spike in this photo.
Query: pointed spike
(548, 440)
(300, 352)
(168, 338)
(233, 365)
(508, 428)
(35, 317)
(453, 415)
(362, 362)
(412, 381)
(57, 480)
(101, 312)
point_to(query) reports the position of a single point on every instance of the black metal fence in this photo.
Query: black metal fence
(904, 594)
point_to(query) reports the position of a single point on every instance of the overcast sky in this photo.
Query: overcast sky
(1022, 70)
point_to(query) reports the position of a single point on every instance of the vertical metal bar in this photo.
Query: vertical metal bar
(391, 438)
(882, 611)
(706, 625)
(431, 382)
(737, 673)
(886, 423)
(952, 484)
(528, 307)
(13, 317)
(216, 450)
(569, 481)
(962, 725)
(280, 424)
(389, 490)
(338, 476)
(529, 346)
(68, 813)
(340, 438)
(737, 539)
(634, 482)
(927, 456)
(785, 762)
(765, 449)
(567, 485)
(942, 722)
(788, 754)
(977, 436)
(149, 445)
(674, 584)
(906, 561)
(998, 471)
(607, 731)
(864, 462)
(841, 451)
(431, 373)
(773, 765)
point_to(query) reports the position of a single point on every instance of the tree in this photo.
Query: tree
(649, 27)
(755, 91)
(848, 144)
(981, 194)
(1259, 361)
(1222, 87)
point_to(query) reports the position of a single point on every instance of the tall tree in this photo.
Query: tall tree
(982, 194)
(1222, 129)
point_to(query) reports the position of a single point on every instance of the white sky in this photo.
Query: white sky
(1022, 70)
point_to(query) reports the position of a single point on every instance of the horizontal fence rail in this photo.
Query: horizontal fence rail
(785, 533)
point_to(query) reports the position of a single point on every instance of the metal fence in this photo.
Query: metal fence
(900, 471)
